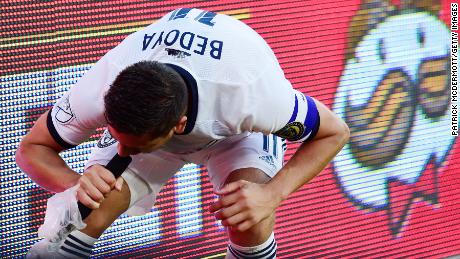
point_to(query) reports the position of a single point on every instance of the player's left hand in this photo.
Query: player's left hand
(243, 204)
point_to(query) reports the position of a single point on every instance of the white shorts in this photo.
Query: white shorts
(147, 173)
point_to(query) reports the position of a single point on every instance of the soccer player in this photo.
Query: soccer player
(193, 87)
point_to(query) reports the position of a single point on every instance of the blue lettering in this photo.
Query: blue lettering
(216, 50)
(159, 40)
(187, 41)
(176, 35)
(202, 46)
(190, 40)
(147, 40)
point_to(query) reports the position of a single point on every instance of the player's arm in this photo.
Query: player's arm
(323, 133)
(313, 155)
(38, 156)
(71, 121)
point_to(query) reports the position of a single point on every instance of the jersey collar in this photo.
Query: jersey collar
(193, 90)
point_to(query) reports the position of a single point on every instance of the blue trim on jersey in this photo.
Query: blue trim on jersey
(315, 129)
(296, 110)
(265, 147)
(55, 134)
(312, 119)
(193, 90)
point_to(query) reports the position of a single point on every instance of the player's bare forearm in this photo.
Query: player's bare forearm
(38, 156)
(309, 160)
(45, 167)
(312, 156)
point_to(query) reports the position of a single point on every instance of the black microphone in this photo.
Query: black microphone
(117, 165)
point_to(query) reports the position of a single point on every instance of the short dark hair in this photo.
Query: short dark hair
(147, 97)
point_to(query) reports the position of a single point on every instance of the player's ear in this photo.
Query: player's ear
(180, 126)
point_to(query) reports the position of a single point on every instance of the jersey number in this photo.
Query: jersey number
(204, 17)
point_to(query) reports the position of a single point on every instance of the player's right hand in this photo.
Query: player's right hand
(95, 184)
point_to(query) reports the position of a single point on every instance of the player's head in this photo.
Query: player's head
(145, 106)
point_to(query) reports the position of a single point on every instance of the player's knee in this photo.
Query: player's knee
(259, 232)
(254, 175)
(261, 227)
(255, 235)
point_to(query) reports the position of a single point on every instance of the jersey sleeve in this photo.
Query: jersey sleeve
(80, 111)
(303, 122)
(284, 111)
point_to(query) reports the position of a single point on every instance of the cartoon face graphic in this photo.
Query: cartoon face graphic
(394, 96)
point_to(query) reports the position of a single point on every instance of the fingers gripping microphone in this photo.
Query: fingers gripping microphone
(117, 165)
(60, 222)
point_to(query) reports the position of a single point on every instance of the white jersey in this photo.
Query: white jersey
(235, 79)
